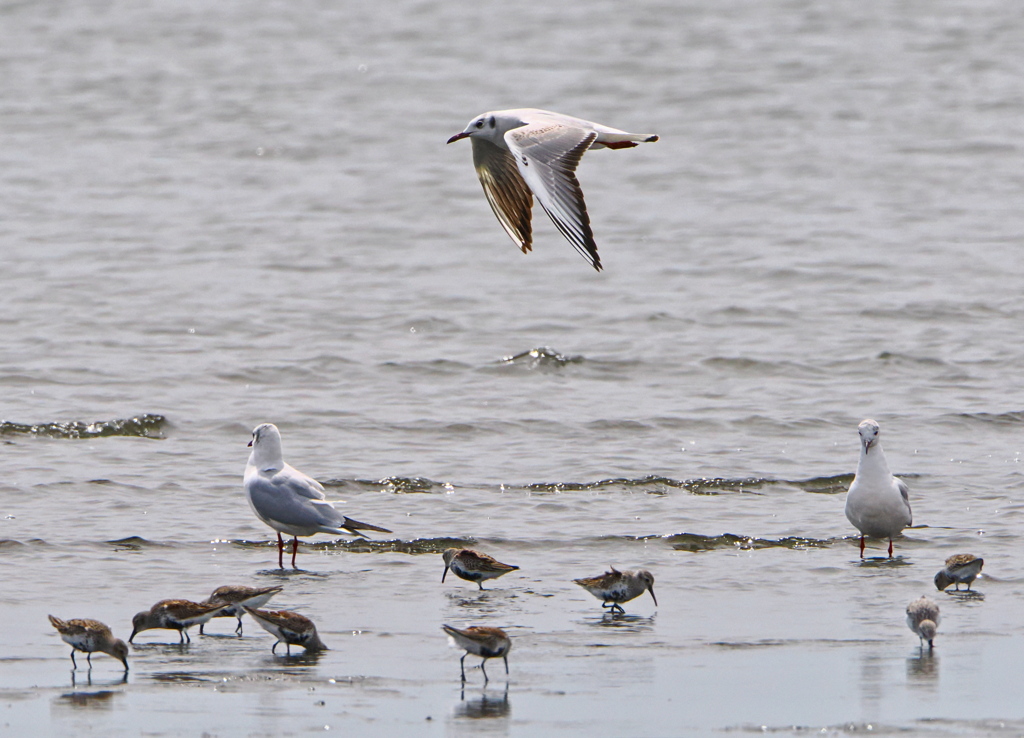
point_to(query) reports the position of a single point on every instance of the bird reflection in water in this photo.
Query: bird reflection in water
(923, 669)
(101, 699)
(484, 706)
(630, 623)
(87, 682)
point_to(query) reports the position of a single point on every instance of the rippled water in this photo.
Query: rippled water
(219, 214)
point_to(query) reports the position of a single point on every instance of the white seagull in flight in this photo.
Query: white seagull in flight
(522, 153)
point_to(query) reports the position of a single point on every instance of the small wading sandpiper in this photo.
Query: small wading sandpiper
(236, 596)
(485, 642)
(290, 628)
(89, 636)
(960, 569)
(923, 619)
(473, 566)
(179, 615)
(615, 587)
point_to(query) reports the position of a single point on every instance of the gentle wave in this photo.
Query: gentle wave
(696, 542)
(1008, 418)
(143, 426)
(136, 543)
(704, 485)
(415, 546)
(652, 484)
(395, 485)
(367, 545)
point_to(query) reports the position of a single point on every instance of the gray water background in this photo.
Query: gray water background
(227, 213)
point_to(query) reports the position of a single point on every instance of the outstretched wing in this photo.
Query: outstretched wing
(547, 155)
(507, 193)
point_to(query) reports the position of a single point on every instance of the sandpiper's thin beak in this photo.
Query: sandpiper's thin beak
(651, 590)
(458, 137)
(132, 636)
(445, 573)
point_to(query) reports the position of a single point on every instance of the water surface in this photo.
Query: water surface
(220, 214)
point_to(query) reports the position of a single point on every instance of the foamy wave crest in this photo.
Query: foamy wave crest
(144, 426)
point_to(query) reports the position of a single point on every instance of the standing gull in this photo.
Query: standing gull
(286, 499)
(522, 153)
(960, 569)
(923, 619)
(878, 504)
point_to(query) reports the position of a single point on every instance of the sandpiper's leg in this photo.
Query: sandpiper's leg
(295, 550)
(616, 607)
(74, 664)
(238, 630)
(287, 648)
(280, 551)
(273, 649)
(480, 584)
(201, 625)
(462, 665)
(484, 670)
(862, 547)
(505, 657)
(88, 657)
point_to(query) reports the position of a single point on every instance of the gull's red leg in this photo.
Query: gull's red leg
(280, 551)
(862, 547)
(295, 550)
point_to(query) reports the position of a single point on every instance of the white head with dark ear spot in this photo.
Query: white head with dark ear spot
(868, 430)
(267, 452)
(488, 125)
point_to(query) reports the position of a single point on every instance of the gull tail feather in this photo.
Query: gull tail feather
(355, 526)
(622, 140)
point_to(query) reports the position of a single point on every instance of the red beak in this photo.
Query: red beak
(458, 137)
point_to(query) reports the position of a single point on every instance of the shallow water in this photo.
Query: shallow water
(216, 215)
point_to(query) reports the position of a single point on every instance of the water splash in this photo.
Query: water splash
(541, 358)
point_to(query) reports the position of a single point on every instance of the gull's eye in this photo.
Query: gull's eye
(480, 123)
